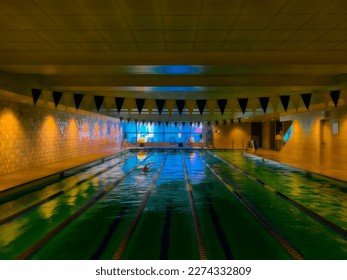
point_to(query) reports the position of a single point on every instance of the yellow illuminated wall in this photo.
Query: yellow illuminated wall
(33, 136)
(314, 143)
(231, 136)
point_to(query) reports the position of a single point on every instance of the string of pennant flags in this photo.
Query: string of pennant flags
(238, 103)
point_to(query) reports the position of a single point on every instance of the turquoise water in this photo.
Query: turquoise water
(93, 217)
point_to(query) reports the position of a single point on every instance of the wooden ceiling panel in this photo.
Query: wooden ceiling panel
(180, 22)
(307, 35)
(325, 21)
(261, 7)
(38, 22)
(288, 21)
(11, 23)
(108, 22)
(22, 36)
(321, 46)
(335, 7)
(275, 35)
(180, 46)
(86, 36)
(20, 7)
(61, 7)
(95, 8)
(181, 7)
(212, 35)
(224, 7)
(140, 7)
(144, 22)
(252, 21)
(54, 35)
(180, 35)
(74, 22)
(118, 36)
(303, 7)
(215, 22)
(243, 35)
(148, 36)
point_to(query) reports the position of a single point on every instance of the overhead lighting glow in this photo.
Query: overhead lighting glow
(167, 89)
(167, 69)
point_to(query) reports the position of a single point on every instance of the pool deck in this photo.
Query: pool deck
(19, 178)
(339, 174)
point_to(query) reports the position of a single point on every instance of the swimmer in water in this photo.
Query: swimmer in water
(145, 168)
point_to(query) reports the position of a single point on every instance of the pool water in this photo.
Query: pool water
(192, 204)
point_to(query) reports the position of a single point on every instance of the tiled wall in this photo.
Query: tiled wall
(231, 136)
(33, 136)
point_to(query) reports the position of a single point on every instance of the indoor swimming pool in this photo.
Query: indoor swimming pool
(190, 204)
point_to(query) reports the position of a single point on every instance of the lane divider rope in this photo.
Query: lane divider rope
(14, 216)
(198, 234)
(294, 253)
(39, 244)
(319, 218)
(125, 241)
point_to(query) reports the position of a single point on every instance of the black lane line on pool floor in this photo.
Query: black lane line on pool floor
(337, 229)
(111, 229)
(199, 239)
(39, 244)
(165, 237)
(293, 252)
(129, 233)
(222, 237)
(53, 196)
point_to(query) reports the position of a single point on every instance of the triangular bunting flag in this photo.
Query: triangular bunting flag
(180, 105)
(264, 101)
(239, 120)
(224, 122)
(167, 123)
(78, 99)
(139, 103)
(243, 104)
(159, 123)
(201, 105)
(98, 101)
(216, 122)
(335, 94)
(285, 101)
(222, 103)
(306, 97)
(119, 103)
(160, 105)
(56, 97)
(36, 94)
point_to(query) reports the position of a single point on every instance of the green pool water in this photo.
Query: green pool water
(115, 206)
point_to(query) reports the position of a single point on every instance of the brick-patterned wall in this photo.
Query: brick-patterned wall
(33, 136)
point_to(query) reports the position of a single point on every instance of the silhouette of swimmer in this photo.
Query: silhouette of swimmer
(146, 167)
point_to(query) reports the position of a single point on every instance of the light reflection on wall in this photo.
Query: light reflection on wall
(34, 136)
(46, 141)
